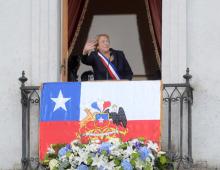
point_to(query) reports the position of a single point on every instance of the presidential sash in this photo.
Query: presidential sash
(109, 66)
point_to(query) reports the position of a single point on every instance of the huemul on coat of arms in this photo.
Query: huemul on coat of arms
(102, 122)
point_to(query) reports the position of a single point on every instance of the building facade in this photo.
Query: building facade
(30, 40)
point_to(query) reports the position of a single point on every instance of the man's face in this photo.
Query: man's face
(103, 44)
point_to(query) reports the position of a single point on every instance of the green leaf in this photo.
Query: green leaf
(104, 152)
(57, 147)
(117, 162)
(123, 146)
(163, 160)
(82, 145)
(89, 161)
(68, 154)
(47, 158)
(65, 165)
(134, 155)
(148, 166)
(45, 162)
(92, 168)
(133, 163)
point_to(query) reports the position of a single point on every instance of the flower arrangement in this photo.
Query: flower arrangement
(114, 154)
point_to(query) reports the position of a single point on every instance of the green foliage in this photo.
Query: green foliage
(123, 146)
(117, 161)
(148, 166)
(104, 152)
(65, 165)
(93, 168)
(157, 160)
(142, 139)
(162, 162)
(132, 161)
(89, 161)
(57, 147)
(135, 155)
(121, 168)
(50, 156)
(55, 168)
(82, 145)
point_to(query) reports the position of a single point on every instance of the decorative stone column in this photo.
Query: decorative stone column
(174, 40)
(45, 39)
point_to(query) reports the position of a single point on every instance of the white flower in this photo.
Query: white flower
(79, 155)
(127, 152)
(110, 165)
(99, 161)
(73, 161)
(152, 157)
(134, 141)
(63, 158)
(53, 164)
(75, 142)
(114, 147)
(83, 156)
(117, 152)
(153, 146)
(92, 147)
(161, 153)
(75, 149)
(115, 141)
(139, 164)
(50, 150)
(71, 168)
(150, 160)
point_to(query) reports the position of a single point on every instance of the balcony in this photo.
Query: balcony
(176, 123)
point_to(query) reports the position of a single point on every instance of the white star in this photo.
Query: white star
(60, 101)
(101, 120)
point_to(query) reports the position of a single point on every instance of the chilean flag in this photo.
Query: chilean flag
(99, 111)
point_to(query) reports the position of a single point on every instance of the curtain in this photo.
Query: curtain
(154, 11)
(76, 12)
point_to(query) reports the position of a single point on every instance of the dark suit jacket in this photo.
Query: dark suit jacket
(100, 71)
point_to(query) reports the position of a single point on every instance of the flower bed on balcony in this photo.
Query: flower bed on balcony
(135, 154)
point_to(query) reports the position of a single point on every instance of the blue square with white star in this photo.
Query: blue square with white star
(60, 101)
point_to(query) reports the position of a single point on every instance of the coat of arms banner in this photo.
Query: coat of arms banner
(99, 111)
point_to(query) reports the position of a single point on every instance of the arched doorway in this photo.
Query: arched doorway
(128, 26)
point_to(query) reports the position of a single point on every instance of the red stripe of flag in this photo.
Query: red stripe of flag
(56, 133)
(65, 132)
